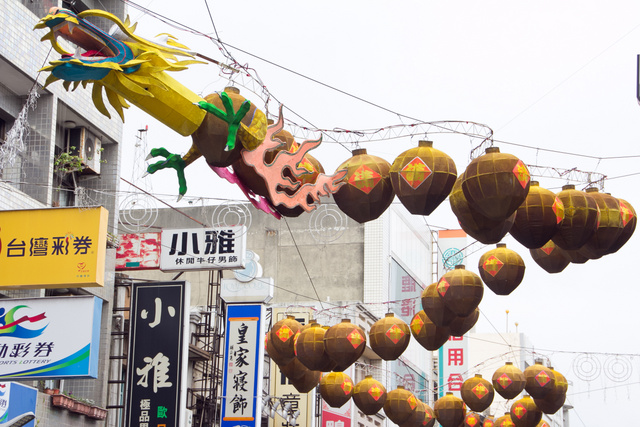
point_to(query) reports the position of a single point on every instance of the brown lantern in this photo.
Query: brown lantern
(282, 337)
(576, 257)
(550, 257)
(580, 218)
(307, 382)
(525, 413)
(435, 308)
(472, 420)
(294, 370)
(477, 393)
(488, 421)
(461, 290)
(501, 269)
(450, 410)
(389, 337)
(539, 380)
(609, 228)
(369, 395)
(275, 355)
(344, 343)
(462, 325)
(336, 388)
(553, 401)
(476, 225)
(508, 381)
(422, 178)
(495, 184)
(504, 421)
(419, 417)
(368, 191)
(629, 219)
(211, 137)
(427, 334)
(538, 218)
(309, 348)
(400, 405)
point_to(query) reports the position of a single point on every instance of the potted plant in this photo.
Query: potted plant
(62, 401)
(98, 413)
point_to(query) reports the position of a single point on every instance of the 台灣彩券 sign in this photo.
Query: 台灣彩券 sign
(53, 248)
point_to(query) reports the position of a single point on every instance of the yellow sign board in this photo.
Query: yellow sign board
(53, 248)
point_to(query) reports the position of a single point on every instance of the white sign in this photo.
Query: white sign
(55, 337)
(221, 248)
(451, 250)
(258, 290)
(453, 365)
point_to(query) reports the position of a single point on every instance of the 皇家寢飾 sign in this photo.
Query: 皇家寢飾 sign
(50, 337)
(218, 248)
(53, 248)
(157, 354)
(242, 382)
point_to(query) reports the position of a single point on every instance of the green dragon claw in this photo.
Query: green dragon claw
(173, 161)
(233, 118)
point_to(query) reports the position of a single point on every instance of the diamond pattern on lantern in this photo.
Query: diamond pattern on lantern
(416, 325)
(558, 209)
(471, 420)
(625, 214)
(355, 338)
(284, 333)
(365, 179)
(504, 381)
(347, 386)
(480, 390)
(415, 172)
(412, 402)
(443, 286)
(548, 247)
(395, 334)
(375, 392)
(543, 378)
(522, 173)
(519, 410)
(492, 265)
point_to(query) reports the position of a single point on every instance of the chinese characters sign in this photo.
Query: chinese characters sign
(157, 354)
(404, 292)
(138, 252)
(203, 248)
(53, 248)
(453, 364)
(243, 366)
(50, 337)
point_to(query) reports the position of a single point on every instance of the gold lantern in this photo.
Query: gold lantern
(427, 334)
(310, 350)
(488, 421)
(496, 183)
(609, 227)
(275, 355)
(461, 290)
(525, 413)
(462, 325)
(293, 370)
(368, 191)
(629, 219)
(336, 388)
(344, 343)
(555, 399)
(211, 137)
(508, 381)
(477, 393)
(369, 395)
(576, 257)
(501, 269)
(449, 410)
(472, 420)
(550, 257)
(538, 218)
(580, 218)
(400, 405)
(435, 308)
(422, 178)
(282, 337)
(539, 380)
(389, 337)
(504, 421)
(476, 225)
(306, 382)
(419, 417)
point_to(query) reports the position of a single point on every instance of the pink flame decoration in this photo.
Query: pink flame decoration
(307, 196)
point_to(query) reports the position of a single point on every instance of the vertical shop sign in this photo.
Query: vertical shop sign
(453, 364)
(451, 249)
(243, 360)
(157, 354)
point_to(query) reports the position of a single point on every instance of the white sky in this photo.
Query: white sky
(546, 74)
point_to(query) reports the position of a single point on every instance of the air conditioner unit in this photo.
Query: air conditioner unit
(87, 146)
